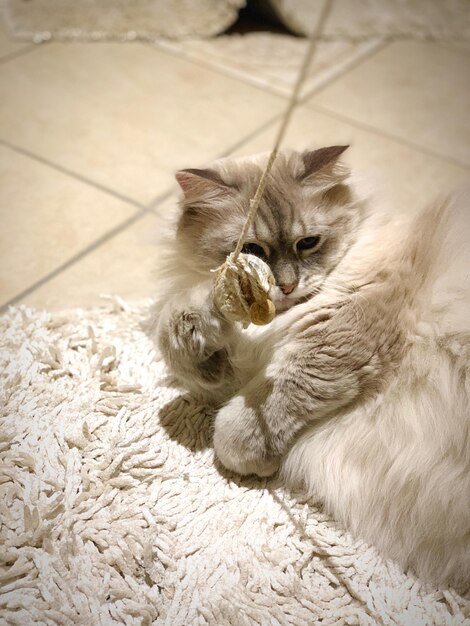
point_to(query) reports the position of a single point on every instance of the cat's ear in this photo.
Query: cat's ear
(321, 167)
(197, 183)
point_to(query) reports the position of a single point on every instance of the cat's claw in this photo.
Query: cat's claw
(196, 334)
(187, 335)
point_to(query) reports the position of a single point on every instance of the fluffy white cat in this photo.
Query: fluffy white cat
(359, 389)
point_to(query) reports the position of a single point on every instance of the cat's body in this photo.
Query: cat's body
(359, 389)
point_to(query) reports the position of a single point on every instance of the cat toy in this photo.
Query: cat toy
(242, 283)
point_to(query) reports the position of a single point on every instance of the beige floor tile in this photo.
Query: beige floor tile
(46, 217)
(417, 91)
(461, 46)
(125, 115)
(8, 45)
(272, 60)
(168, 205)
(122, 266)
(403, 178)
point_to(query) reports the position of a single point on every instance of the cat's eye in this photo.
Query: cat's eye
(254, 248)
(308, 243)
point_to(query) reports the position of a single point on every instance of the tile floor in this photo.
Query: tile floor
(91, 134)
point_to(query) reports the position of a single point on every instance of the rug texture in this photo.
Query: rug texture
(113, 510)
(427, 19)
(41, 20)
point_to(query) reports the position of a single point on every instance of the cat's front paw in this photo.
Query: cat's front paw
(197, 334)
(239, 442)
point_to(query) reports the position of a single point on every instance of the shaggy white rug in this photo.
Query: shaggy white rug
(114, 512)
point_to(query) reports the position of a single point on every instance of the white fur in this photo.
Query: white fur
(396, 469)
(392, 466)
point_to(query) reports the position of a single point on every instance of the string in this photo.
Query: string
(255, 201)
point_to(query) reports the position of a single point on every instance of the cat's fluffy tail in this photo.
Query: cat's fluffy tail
(396, 469)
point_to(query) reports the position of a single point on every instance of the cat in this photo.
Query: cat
(358, 391)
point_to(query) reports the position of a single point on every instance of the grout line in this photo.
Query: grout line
(223, 69)
(80, 177)
(184, 55)
(326, 77)
(94, 245)
(339, 72)
(152, 205)
(138, 215)
(374, 48)
(386, 135)
(216, 68)
(252, 135)
(18, 53)
(142, 211)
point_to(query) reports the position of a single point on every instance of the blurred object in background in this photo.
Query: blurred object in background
(40, 20)
(360, 19)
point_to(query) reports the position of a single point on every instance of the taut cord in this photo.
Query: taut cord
(242, 284)
(255, 201)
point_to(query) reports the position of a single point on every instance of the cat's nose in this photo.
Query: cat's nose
(287, 288)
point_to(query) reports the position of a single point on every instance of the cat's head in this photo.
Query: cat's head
(303, 226)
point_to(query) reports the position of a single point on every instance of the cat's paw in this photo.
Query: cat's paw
(197, 334)
(239, 442)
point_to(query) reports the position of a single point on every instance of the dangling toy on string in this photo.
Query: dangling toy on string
(242, 283)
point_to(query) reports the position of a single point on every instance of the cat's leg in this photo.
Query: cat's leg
(330, 362)
(253, 430)
(195, 343)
